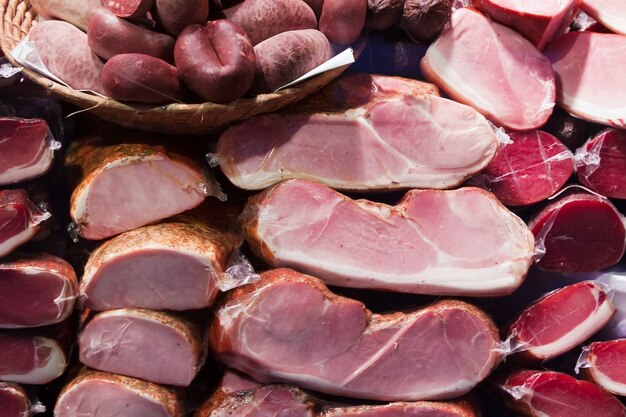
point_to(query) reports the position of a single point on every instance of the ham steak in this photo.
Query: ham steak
(20, 219)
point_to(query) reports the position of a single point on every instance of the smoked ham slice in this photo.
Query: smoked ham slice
(288, 327)
(36, 291)
(462, 242)
(604, 363)
(594, 91)
(611, 13)
(20, 219)
(492, 68)
(176, 265)
(561, 320)
(14, 401)
(27, 149)
(601, 163)
(100, 394)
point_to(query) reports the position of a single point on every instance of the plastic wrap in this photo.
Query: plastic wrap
(25, 221)
(600, 161)
(603, 363)
(238, 272)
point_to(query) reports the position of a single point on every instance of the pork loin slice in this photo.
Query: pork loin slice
(561, 320)
(20, 219)
(529, 170)
(14, 401)
(492, 68)
(100, 394)
(288, 327)
(580, 232)
(594, 91)
(458, 242)
(555, 394)
(270, 400)
(601, 163)
(123, 342)
(36, 291)
(127, 185)
(392, 143)
(27, 150)
(538, 21)
(33, 356)
(610, 13)
(604, 363)
(174, 265)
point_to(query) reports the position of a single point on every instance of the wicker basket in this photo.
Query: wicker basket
(18, 17)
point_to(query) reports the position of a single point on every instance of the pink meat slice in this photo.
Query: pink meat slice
(115, 341)
(15, 402)
(26, 149)
(20, 219)
(528, 170)
(594, 91)
(288, 327)
(36, 291)
(580, 232)
(392, 143)
(604, 363)
(611, 13)
(174, 265)
(100, 394)
(561, 320)
(492, 68)
(462, 242)
(601, 163)
(538, 21)
(555, 394)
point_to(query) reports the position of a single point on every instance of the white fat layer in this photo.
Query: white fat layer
(595, 112)
(30, 169)
(54, 367)
(24, 236)
(607, 383)
(610, 13)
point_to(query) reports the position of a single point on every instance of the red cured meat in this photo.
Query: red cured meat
(288, 327)
(36, 291)
(579, 233)
(611, 13)
(554, 394)
(601, 163)
(20, 219)
(14, 401)
(26, 146)
(538, 21)
(594, 91)
(529, 170)
(492, 68)
(604, 364)
(461, 242)
(561, 320)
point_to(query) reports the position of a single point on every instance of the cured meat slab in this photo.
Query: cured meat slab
(115, 341)
(492, 68)
(601, 163)
(14, 401)
(36, 291)
(174, 265)
(594, 91)
(555, 394)
(27, 150)
(561, 320)
(99, 394)
(610, 13)
(458, 242)
(288, 327)
(604, 363)
(395, 142)
(20, 219)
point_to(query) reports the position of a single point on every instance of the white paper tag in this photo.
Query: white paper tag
(344, 58)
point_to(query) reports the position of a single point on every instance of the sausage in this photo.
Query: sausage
(128, 8)
(109, 35)
(176, 15)
(76, 12)
(342, 20)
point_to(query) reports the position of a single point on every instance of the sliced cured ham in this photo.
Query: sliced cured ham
(15, 402)
(594, 91)
(561, 320)
(555, 394)
(99, 394)
(394, 141)
(538, 21)
(462, 242)
(288, 327)
(529, 170)
(152, 183)
(604, 364)
(175, 265)
(610, 13)
(36, 291)
(492, 68)
(20, 219)
(601, 163)
(580, 232)
(268, 400)
(115, 341)
(27, 150)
